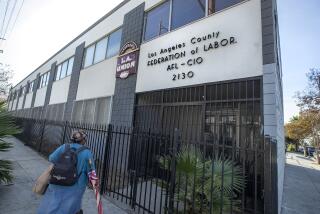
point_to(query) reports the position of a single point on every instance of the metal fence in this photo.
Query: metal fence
(155, 172)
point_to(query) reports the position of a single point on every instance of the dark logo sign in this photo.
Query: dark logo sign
(128, 60)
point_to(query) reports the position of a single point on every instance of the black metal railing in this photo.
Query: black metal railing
(158, 173)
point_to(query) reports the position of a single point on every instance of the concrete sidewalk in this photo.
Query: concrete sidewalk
(301, 186)
(18, 198)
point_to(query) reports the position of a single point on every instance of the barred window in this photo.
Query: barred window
(55, 112)
(93, 111)
(77, 111)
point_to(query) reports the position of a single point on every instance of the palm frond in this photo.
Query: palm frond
(205, 182)
(7, 128)
(5, 171)
(4, 146)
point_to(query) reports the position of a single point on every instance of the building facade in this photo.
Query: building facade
(161, 65)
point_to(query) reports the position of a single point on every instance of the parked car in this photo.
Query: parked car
(310, 150)
(300, 149)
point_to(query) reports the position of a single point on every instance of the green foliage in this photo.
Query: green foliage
(7, 124)
(291, 148)
(309, 98)
(5, 171)
(7, 128)
(203, 183)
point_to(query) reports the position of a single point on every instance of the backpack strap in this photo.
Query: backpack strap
(67, 147)
(82, 148)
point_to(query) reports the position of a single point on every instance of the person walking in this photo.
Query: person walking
(64, 193)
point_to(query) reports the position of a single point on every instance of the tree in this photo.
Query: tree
(5, 75)
(309, 103)
(298, 128)
(7, 127)
(309, 99)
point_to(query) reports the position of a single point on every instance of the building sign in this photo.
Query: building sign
(127, 62)
(221, 47)
(203, 43)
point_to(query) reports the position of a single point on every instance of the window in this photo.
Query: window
(88, 111)
(70, 66)
(58, 73)
(21, 92)
(186, 11)
(89, 56)
(64, 69)
(44, 80)
(77, 111)
(160, 20)
(31, 87)
(157, 21)
(93, 111)
(101, 49)
(105, 48)
(47, 79)
(102, 110)
(217, 5)
(55, 112)
(114, 43)
(24, 90)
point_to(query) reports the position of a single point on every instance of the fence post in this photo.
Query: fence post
(105, 161)
(267, 175)
(134, 188)
(270, 177)
(64, 132)
(133, 166)
(42, 133)
(173, 170)
(274, 176)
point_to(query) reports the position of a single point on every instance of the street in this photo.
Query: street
(301, 185)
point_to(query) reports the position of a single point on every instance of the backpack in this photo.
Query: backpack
(64, 172)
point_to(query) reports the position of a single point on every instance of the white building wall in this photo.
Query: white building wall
(28, 101)
(59, 91)
(14, 104)
(40, 97)
(240, 60)
(97, 80)
(20, 102)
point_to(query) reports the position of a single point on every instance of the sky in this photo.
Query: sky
(45, 26)
(299, 25)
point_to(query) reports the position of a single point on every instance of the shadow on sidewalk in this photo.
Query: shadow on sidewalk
(301, 188)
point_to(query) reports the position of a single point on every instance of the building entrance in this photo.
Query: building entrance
(229, 111)
(222, 120)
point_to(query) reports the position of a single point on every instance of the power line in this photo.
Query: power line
(4, 17)
(10, 17)
(14, 23)
(15, 20)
